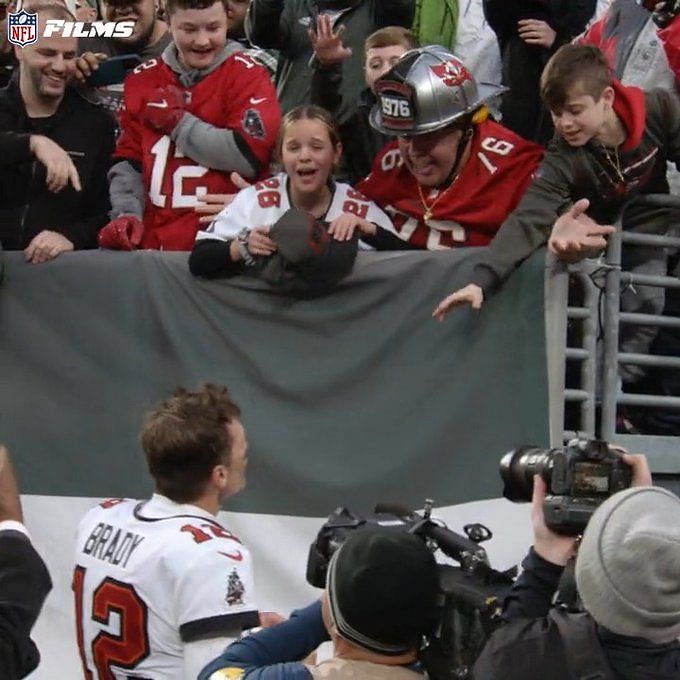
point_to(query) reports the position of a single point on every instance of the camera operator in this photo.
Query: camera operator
(628, 579)
(379, 601)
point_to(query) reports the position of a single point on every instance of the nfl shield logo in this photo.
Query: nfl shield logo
(22, 28)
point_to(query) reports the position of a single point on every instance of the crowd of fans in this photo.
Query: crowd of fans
(199, 118)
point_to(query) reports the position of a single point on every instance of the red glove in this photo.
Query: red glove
(123, 233)
(164, 108)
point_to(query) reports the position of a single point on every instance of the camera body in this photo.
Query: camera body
(470, 595)
(579, 477)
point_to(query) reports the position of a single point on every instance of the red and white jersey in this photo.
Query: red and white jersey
(263, 204)
(499, 169)
(151, 576)
(237, 95)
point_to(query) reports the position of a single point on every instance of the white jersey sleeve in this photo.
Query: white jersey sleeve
(349, 200)
(214, 589)
(259, 205)
(228, 223)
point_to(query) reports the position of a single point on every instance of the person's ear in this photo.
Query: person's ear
(220, 476)
(608, 95)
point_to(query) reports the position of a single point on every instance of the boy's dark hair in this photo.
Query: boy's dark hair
(388, 36)
(171, 6)
(185, 437)
(574, 65)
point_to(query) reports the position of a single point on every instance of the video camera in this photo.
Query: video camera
(470, 594)
(579, 477)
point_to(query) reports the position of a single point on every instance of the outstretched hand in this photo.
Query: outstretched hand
(471, 295)
(574, 235)
(328, 45)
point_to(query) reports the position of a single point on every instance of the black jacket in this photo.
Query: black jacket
(360, 142)
(522, 64)
(568, 18)
(82, 129)
(24, 585)
(530, 647)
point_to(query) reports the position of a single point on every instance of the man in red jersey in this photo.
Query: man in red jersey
(202, 110)
(453, 175)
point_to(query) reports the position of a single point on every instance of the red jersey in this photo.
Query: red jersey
(470, 210)
(237, 95)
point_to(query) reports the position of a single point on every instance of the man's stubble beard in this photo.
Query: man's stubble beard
(45, 98)
(139, 43)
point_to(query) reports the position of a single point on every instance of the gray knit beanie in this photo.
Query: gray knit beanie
(628, 564)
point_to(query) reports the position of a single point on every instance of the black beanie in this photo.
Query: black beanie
(382, 588)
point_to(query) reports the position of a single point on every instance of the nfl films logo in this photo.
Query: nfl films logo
(22, 28)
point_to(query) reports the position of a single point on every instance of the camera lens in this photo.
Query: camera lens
(518, 468)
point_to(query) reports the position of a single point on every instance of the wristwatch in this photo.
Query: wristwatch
(242, 244)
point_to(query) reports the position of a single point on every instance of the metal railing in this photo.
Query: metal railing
(599, 315)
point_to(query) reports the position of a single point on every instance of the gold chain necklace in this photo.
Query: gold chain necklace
(615, 162)
(429, 208)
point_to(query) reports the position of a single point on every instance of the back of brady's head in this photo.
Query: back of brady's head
(185, 437)
(628, 564)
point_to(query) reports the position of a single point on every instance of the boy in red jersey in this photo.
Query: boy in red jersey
(202, 110)
(453, 175)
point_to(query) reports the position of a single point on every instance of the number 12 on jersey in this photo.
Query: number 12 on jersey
(115, 605)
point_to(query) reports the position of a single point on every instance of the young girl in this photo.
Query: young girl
(309, 149)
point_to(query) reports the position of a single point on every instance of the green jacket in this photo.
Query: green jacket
(436, 22)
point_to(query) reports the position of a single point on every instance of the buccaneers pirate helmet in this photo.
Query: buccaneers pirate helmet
(426, 90)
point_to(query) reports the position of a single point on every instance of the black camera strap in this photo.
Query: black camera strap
(585, 658)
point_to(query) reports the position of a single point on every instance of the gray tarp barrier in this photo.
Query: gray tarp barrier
(353, 398)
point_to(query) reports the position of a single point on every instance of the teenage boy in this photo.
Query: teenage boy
(202, 110)
(382, 49)
(613, 143)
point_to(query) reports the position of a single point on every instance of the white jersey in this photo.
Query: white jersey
(150, 577)
(265, 202)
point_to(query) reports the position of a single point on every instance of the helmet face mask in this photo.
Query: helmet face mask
(429, 88)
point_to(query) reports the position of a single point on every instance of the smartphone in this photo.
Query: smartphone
(113, 70)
